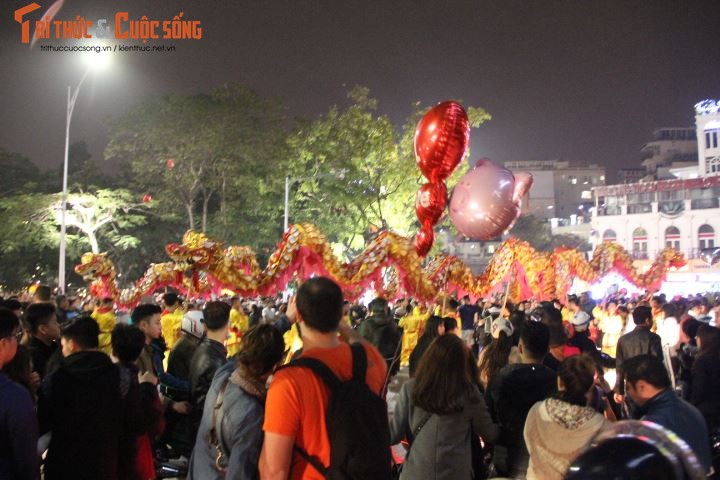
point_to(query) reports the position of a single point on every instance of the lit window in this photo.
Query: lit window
(586, 195)
(573, 180)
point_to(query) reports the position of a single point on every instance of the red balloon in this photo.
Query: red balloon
(430, 202)
(441, 140)
(424, 240)
(486, 201)
(147, 198)
(170, 164)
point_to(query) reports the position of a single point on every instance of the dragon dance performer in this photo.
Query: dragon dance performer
(239, 324)
(412, 326)
(105, 317)
(171, 319)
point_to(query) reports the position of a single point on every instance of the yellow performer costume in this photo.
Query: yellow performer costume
(239, 324)
(106, 320)
(170, 322)
(612, 327)
(412, 326)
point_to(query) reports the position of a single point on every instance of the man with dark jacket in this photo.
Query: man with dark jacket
(648, 384)
(380, 329)
(640, 341)
(41, 319)
(210, 355)
(179, 428)
(80, 404)
(18, 423)
(511, 394)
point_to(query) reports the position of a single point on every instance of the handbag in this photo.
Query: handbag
(397, 468)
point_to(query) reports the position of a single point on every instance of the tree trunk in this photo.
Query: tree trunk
(191, 218)
(206, 200)
(94, 246)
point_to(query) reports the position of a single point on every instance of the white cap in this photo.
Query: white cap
(193, 324)
(501, 325)
(580, 321)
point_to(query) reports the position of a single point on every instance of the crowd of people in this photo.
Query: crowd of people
(260, 388)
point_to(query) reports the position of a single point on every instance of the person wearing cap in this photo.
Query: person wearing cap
(496, 355)
(192, 330)
(179, 430)
(638, 342)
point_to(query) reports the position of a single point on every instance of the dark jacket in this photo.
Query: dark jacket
(240, 431)
(705, 388)
(207, 359)
(41, 354)
(678, 416)
(80, 404)
(18, 433)
(386, 336)
(640, 341)
(510, 395)
(142, 414)
(442, 448)
(583, 341)
(180, 358)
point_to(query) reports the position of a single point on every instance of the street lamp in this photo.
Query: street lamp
(94, 61)
(337, 174)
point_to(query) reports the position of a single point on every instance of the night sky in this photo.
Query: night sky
(582, 80)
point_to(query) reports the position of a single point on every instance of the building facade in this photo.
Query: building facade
(682, 212)
(561, 190)
(670, 145)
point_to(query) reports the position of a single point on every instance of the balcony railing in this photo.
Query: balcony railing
(703, 203)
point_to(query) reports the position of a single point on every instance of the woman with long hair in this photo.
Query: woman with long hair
(438, 411)
(434, 327)
(496, 355)
(230, 437)
(705, 376)
(558, 429)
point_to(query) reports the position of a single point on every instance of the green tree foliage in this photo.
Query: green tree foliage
(198, 154)
(358, 171)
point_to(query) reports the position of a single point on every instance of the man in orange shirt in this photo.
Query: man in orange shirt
(297, 399)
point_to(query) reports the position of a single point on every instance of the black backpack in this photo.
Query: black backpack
(357, 423)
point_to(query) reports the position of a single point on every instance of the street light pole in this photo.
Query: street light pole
(287, 203)
(71, 99)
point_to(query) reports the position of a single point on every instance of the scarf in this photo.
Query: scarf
(251, 386)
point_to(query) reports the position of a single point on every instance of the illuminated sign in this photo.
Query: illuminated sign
(707, 107)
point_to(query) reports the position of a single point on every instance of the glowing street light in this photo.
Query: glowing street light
(93, 61)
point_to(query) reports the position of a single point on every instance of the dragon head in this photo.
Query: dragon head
(94, 266)
(196, 251)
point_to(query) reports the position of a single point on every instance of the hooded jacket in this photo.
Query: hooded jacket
(555, 433)
(18, 432)
(80, 404)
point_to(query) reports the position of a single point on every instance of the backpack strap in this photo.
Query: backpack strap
(320, 369)
(359, 362)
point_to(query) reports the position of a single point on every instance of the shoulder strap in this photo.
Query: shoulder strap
(359, 362)
(320, 369)
(215, 433)
(416, 433)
